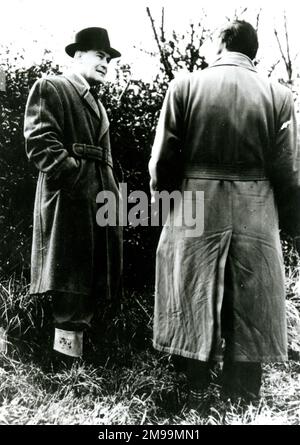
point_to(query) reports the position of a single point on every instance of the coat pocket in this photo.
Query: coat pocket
(66, 179)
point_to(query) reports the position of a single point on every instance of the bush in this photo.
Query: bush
(17, 177)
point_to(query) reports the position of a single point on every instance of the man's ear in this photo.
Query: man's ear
(220, 46)
(78, 55)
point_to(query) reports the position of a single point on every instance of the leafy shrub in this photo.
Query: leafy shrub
(17, 176)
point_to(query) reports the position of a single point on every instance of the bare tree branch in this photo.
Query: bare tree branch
(285, 57)
(290, 70)
(280, 48)
(192, 33)
(273, 68)
(163, 58)
(201, 37)
(243, 11)
(258, 19)
(296, 56)
(237, 14)
(192, 59)
(162, 28)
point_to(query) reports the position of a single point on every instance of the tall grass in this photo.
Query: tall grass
(123, 380)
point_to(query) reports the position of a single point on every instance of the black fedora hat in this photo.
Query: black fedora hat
(92, 38)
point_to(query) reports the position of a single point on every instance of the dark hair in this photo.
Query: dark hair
(240, 36)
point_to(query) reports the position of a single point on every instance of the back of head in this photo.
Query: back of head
(240, 36)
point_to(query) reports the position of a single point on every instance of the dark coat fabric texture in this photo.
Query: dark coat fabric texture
(70, 252)
(231, 134)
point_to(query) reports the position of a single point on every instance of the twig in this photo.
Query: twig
(162, 28)
(280, 48)
(237, 15)
(243, 11)
(258, 19)
(287, 61)
(162, 55)
(289, 67)
(273, 68)
(124, 90)
(192, 61)
(142, 307)
(202, 39)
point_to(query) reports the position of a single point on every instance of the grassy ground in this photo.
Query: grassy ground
(123, 380)
(145, 392)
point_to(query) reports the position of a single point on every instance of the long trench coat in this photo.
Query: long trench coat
(70, 253)
(229, 133)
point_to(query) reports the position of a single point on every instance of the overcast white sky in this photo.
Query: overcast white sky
(37, 24)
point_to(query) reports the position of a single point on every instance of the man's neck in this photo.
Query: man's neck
(83, 79)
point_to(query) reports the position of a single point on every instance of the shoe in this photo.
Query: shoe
(61, 362)
(241, 380)
(197, 400)
(238, 394)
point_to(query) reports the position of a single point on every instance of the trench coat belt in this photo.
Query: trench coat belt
(93, 153)
(228, 172)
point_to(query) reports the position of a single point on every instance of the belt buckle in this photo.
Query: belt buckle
(78, 149)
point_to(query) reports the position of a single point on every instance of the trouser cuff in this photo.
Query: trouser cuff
(68, 342)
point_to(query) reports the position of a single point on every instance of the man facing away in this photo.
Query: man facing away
(67, 138)
(230, 133)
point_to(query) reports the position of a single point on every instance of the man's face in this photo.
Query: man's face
(93, 65)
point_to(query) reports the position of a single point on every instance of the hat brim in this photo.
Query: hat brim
(73, 47)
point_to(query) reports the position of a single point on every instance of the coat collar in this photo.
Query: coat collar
(234, 59)
(82, 88)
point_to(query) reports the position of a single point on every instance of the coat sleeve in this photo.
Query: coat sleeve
(285, 167)
(43, 131)
(164, 165)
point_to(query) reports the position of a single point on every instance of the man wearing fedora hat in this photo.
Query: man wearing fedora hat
(67, 137)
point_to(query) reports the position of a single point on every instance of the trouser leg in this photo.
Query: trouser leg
(196, 371)
(197, 374)
(239, 379)
(198, 378)
(72, 314)
(242, 379)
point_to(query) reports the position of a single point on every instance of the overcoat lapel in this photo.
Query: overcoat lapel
(91, 103)
(83, 92)
(95, 107)
(104, 121)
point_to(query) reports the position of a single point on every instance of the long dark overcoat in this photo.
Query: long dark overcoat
(70, 252)
(229, 133)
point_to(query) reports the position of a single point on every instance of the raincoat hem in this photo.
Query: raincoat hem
(207, 358)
